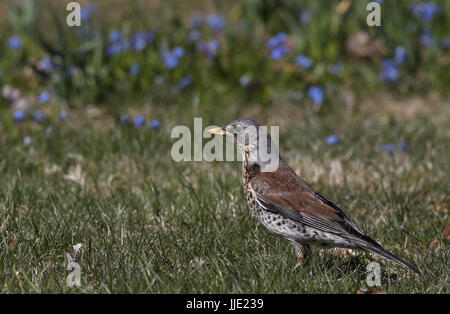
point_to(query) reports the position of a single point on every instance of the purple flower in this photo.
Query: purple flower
(139, 121)
(389, 72)
(15, 43)
(304, 61)
(44, 97)
(400, 55)
(155, 124)
(135, 69)
(19, 116)
(115, 36)
(333, 139)
(215, 22)
(316, 94)
(39, 116)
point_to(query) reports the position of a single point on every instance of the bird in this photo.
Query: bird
(288, 206)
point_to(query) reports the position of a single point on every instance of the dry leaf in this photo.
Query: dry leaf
(447, 233)
(435, 245)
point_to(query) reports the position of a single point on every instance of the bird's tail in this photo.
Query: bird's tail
(377, 249)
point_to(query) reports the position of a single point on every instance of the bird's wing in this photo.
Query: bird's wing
(284, 193)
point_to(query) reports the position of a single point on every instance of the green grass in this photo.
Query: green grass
(149, 224)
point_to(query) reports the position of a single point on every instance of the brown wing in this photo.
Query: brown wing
(285, 193)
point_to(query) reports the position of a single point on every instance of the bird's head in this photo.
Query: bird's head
(252, 139)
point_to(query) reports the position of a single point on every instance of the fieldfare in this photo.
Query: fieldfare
(285, 204)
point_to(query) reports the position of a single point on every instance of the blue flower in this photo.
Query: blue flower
(63, 115)
(139, 121)
(278, 46)
(194, 35)
(116, 48)
(215, 22)
(333, 139)
(44, 97)
(178, 52)
(279, 52)
(196, 21)
(87, 10)
(391, 147)
(135, 69)
(336, 69)
(27, 140)
(429, 10)
(305, 17)
(304, 61)
(389, 72)
(19, 116)
(115, 36)
(400, 55)
(39, 116)
(316, 94)
(427, 38)
(46, 64)
(209, 48)
(277, 40)
(426, 11)
(15, 43)
(170, 61)
(155, 124)
(185, 81)
(445, 43)
(124, 119)
(140, 40)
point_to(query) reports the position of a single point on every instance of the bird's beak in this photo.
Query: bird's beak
(219, 131)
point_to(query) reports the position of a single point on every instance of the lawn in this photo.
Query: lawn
(83, 168)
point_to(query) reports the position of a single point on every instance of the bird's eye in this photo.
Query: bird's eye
(237, 129)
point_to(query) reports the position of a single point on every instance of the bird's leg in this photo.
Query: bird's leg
(302, 251)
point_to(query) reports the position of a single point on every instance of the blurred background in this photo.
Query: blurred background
(174, 54)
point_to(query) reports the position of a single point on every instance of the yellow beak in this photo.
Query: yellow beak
(219, 131)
